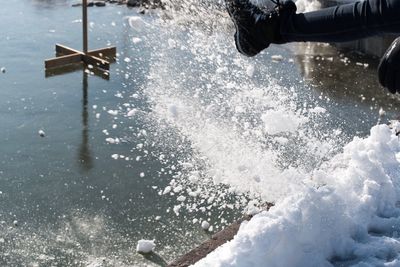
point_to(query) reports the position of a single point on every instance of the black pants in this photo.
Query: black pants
(345, 22)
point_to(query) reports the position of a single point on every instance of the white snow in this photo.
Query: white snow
(277, 58)
(145, 246)
(131, 112)
(136, 40)
(41, 133)
(317, 110)
(250, 70)
(343, 213)
(348, 216)
(113, 112)
(382, 112)
(112, 140)
(181, 198)
(136, 22)
(205, 225)
(278, 121)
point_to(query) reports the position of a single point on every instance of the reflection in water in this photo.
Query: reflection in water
(340, 75)
(85, 157)
(51, 4)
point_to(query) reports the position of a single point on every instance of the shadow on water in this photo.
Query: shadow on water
(155, 258)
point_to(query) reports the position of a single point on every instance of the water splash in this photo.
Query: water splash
(244, 128)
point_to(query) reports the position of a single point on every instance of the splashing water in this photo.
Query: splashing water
(237, 128)
(245, 129)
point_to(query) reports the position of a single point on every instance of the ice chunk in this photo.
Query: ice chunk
(145, 246)
(181, 198)
(318, 110)
(250, 70)
(41, 133)
(131, 112)
(277, 58)
(113, 112)
(278, 121)
(136, 40)
(205, 225)
(136, 22)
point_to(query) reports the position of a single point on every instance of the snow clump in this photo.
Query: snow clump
(145, 246)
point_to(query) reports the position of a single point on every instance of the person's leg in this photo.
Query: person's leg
(389, 68)
(344, 22)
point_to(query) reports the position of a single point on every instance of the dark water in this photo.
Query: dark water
(64, 200)
(72, 203)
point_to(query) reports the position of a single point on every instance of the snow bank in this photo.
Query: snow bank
(350, 219)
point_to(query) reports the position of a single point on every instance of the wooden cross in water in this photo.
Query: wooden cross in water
(100, 59)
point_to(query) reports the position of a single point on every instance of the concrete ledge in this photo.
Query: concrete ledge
(210, 245)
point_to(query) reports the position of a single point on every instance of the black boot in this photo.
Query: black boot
(389, 68)
(256, 29)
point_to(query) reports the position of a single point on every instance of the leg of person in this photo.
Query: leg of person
(350, 22)
(344, 22)
(389, 68)
(257, 28)
(278, 23)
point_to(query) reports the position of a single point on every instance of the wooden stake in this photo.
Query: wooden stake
(85, 28)
(99, 58)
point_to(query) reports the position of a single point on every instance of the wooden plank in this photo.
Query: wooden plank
(96, 62)
(65, 50)
(63, 60)
(109, 53)
(64, 69)
(104, 74)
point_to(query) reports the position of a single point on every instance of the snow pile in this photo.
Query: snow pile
(351, 219)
